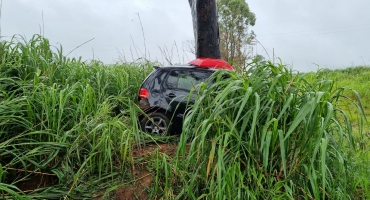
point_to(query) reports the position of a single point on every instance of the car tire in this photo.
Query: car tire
(156, 123)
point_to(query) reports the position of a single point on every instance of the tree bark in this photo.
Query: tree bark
(206, 31)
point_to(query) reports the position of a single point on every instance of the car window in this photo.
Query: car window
(172, 80)
(186, 82)
(186, 79)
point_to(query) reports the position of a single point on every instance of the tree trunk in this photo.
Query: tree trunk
(206, 32)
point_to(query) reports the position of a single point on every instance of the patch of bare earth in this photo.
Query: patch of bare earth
(143, 177)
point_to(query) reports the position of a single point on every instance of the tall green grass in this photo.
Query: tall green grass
(64, 120)
(269, 133)
(355, 81)
(68, 129)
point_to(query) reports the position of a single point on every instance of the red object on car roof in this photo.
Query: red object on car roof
(211, 63)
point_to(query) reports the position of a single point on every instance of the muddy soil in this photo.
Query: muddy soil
(143, 177)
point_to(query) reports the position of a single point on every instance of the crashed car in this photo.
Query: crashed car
(164, 94)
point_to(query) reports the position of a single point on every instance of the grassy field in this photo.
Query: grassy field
(69, 130)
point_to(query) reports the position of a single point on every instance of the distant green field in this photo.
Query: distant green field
(356, 78)
(356, 84)
(69, 130)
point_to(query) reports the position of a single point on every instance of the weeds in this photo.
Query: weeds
(69, 130)
(65, 118)
(266, 135)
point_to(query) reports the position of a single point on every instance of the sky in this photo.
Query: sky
(305, 35)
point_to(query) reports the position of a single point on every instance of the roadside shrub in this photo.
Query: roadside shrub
(269, 133)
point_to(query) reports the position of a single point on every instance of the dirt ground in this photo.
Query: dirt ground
(142, 176)
(137, 190)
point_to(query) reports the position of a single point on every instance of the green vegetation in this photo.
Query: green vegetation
(357, 79)
(69, 129)
(354, 83)
(57, 122)
(235, 18)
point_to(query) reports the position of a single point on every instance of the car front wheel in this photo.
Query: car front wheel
(156, 123)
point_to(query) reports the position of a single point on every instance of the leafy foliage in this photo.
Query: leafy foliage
(70, 128)
(235, 18)
(59, 120)
(271, 134)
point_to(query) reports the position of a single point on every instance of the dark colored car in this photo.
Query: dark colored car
(164, 94)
